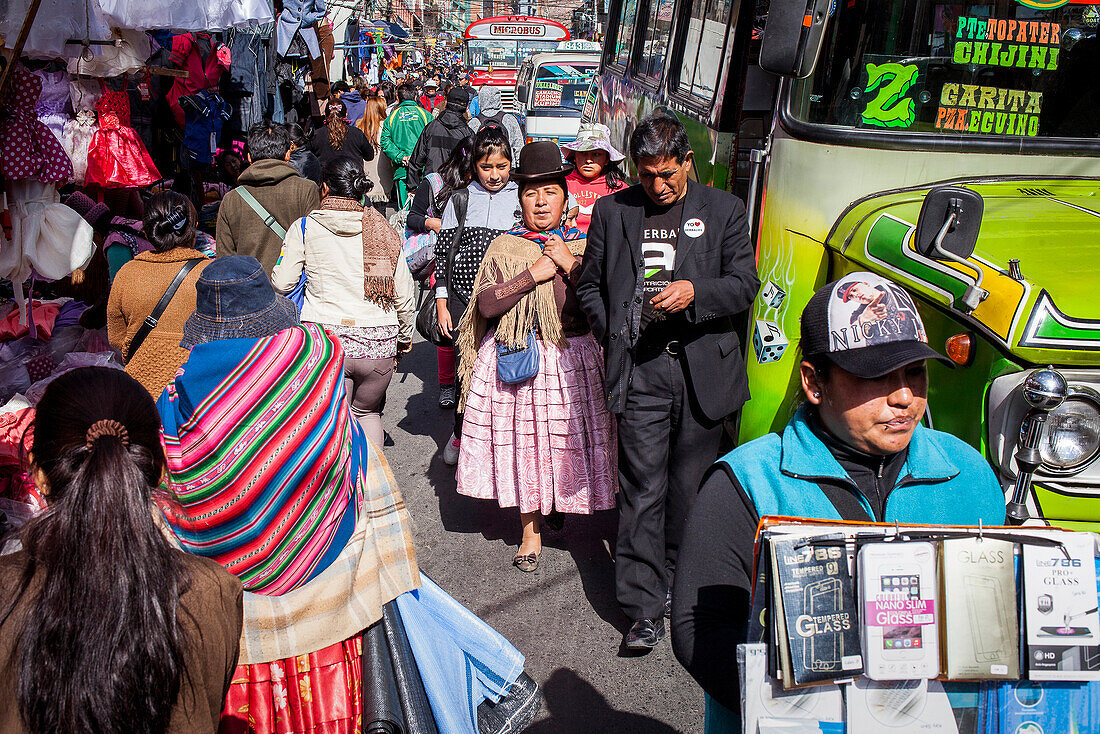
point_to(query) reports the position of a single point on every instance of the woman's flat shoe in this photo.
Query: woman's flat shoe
(526, 563)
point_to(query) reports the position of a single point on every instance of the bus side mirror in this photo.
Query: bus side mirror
(950, 219)
(792, 36)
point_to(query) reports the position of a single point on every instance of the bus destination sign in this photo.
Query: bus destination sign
(502, 29)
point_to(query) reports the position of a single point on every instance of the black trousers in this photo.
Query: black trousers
(666, 445)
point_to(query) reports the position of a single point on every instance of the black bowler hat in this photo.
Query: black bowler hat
(540, 161)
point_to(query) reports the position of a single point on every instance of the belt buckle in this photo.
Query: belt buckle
(674, 348)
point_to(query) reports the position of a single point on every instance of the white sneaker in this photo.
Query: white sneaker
(450, 451)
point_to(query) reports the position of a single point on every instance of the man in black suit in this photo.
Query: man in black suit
(667, 265)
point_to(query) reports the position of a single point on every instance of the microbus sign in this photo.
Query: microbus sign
(502, 29)
(517, 28)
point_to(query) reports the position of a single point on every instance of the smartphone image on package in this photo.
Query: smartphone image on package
(979, 632)
(898, 587)
(825, 649)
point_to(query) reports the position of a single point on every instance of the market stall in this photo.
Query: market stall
(102, 104)
(919, 628)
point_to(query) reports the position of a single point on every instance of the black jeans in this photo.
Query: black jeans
(665, 447)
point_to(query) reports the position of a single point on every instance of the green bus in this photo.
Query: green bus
(858, 130)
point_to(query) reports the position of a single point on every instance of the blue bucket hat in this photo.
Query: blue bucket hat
(236, 301)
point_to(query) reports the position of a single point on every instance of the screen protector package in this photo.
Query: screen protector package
(1048, 706)
(898, 591)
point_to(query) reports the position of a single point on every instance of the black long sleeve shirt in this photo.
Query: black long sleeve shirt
(421, 207)
(713, 582)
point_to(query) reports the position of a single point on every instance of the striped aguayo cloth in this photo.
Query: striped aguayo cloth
(261, 456)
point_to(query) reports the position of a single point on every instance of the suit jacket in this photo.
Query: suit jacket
(721, 266)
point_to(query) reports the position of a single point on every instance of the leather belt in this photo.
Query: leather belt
(650, 349)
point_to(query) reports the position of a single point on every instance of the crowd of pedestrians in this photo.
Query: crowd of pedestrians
(586, 345)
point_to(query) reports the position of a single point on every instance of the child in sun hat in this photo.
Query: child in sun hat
(596, 173)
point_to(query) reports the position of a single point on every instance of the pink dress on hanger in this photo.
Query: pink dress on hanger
(117, 158)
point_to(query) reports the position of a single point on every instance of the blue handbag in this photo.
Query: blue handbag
(518, 365)
(298, 295)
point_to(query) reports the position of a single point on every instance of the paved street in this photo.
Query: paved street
(563, 617)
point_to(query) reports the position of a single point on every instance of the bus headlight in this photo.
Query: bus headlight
(1072, 437)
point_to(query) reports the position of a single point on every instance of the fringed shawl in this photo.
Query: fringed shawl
(509, 255)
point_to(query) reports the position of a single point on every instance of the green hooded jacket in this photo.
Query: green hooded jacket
(400, 132)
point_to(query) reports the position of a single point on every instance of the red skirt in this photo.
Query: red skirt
(318, 693)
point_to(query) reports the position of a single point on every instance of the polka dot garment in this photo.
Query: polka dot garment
(471, 251)
(27, 147)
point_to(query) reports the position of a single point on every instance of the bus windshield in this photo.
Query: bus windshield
(991, 69)
(492, 52)
(503, 53)
(563, 85)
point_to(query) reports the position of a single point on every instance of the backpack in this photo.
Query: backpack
(496, 120)
(419, 247)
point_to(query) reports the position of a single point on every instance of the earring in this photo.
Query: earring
(817, 395)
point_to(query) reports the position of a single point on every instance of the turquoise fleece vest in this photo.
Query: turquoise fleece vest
(944, 481)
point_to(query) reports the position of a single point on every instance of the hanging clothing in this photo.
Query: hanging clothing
(76, 139)
(142, 107)
(129, 54)
(84, 94)
(247, 90)
(56, 22)
(48, 238)
(297, 18)
(117, 158)
(203, 60)
(206, 113)
(27, 147)
(53, 102)
(186, 15)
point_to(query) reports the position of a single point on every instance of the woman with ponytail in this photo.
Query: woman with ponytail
(104, 625)
(339, 139)
(170, 225)
(358, 286)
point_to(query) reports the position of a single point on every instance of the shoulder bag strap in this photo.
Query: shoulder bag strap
(264, 214)
(151, 320)
(461, 200)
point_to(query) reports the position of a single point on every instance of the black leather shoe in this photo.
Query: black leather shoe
(645, 634)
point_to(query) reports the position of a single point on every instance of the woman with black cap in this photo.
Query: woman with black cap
(539, 437)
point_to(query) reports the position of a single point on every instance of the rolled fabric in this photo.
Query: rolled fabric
(410, 687)
(381, 703)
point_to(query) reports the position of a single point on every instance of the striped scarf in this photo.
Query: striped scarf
(262, 456)
(520, 230)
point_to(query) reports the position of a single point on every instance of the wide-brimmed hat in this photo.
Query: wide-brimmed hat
(867, 325)
(236, 301)
(594, 137)
(540, 161)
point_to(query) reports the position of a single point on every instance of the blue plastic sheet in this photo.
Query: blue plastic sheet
(462, 660)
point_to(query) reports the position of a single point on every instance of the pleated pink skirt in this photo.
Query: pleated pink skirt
(547, 443)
